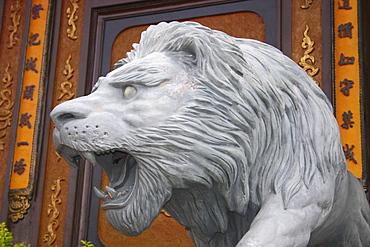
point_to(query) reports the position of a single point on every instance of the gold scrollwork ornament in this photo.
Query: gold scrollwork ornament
(165, 213)
(307, 4)
(16, 22)
(50, 237)
(18, 205)
(66, 86)
(308, 44)
(72, 18)
(6, 106)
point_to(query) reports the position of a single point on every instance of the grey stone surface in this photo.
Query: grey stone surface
(228, 135)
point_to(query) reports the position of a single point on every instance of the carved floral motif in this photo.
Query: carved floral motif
(18, 205)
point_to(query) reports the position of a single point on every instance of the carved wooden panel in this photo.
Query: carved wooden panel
(10, 50)
(55, 224)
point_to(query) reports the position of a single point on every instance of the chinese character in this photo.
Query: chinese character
(347, 116)
(28, 92)
(345, 5)
(33, 40)
(19, 167)
(31, 64)
(36, 11)
(22, 144)
(349, 154)
(25, 120)
(345, 30)
(346, 60)
(346, 86)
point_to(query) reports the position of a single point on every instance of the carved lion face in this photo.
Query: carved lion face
(113, 127)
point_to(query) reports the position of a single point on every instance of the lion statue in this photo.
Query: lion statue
(228, 135)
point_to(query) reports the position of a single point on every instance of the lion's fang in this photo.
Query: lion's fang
(90, 157)
(111, 192)
(101, 194)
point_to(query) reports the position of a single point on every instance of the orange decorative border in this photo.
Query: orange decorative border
(347, 86)
(22, 176)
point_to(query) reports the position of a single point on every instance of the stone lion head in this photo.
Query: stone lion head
(202, 124)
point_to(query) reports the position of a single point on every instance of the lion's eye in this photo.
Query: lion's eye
(129, 92)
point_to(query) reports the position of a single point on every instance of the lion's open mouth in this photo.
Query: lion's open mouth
(121, 169)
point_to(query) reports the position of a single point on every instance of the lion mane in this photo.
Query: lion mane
(256, 125)
(253, 124)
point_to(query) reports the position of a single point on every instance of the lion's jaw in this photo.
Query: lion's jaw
(103, 128)
(133, 198)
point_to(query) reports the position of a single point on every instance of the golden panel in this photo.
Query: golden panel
(307, 61)
(50, 237)
(15, 17)
(6, 106)
(72, 18)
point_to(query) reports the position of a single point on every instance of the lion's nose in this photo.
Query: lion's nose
(68, 111)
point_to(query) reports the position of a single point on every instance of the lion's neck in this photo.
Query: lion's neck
(209, 224)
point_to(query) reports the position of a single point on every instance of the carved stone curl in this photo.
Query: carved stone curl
(228, 135)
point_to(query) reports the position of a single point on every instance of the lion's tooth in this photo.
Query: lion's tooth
(90, 157)
(111, 192)
(101, 194)
(70, 160)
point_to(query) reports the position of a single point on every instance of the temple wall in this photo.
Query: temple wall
(53, 51)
